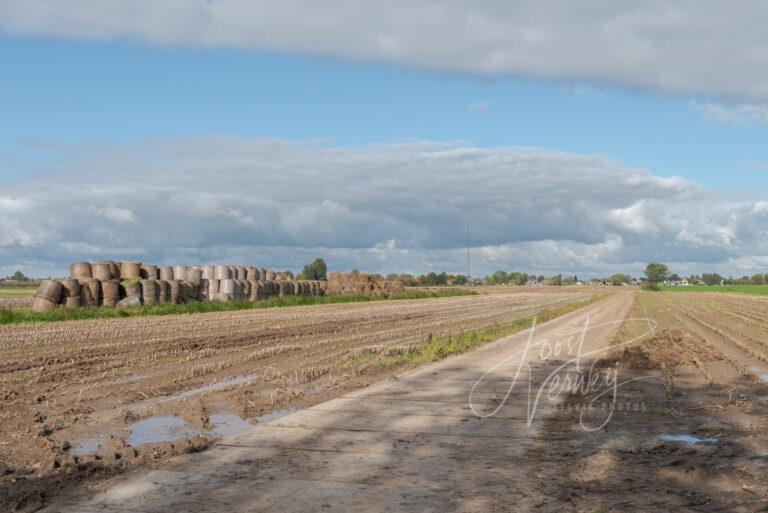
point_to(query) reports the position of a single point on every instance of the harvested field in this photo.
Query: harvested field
(77, 394)
(691, 431)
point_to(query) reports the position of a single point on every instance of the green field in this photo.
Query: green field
(17, 291)
(756, 290)
(20, 315)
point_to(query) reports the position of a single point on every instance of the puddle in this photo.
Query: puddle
(758, 371)
(164, 428)
(211, 387)
(90, 445)
(278, 414)
(688, 439)
(228, 424)
(130, 379)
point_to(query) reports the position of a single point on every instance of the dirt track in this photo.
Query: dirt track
(73, 390)
(408, 444)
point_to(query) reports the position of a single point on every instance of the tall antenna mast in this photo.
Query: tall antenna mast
(467, 251)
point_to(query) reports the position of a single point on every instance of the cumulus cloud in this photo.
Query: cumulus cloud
(740, 114)
(480, 108)
(692, 46)
(388, 208)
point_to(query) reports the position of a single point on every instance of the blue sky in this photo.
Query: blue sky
(598, 115)
(69, 91)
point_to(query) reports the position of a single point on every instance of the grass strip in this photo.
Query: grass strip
(436, 348)
(25, 315)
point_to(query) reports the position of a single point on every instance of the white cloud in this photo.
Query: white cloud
(387, 208)
(480, 108)
(740, 114)
(686, 46)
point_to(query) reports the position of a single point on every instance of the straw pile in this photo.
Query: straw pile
(360, 283)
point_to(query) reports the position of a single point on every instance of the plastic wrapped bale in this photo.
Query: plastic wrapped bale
(130, 270)
(149, 272)
(129, 301)
(149, 292)
(80, 271)
(166, 273)
(110, 292)
(48, 296)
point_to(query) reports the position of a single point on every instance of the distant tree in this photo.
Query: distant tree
(408, 280)
(758, 279)
(556, 280)
(317, 270)
(540, 278)
(497, 278)
(656, 273)
(460, 279)
(289, 274)
(428, 279)
(392, 277)
(619, 279)
(19, 276)
(712, 278)
(674, 277)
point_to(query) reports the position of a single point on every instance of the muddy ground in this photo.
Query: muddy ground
(83, 400)
(688, 429)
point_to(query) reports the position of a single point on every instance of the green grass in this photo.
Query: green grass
(759, 290)
(17, 291)
(64, 314)
(438, 347)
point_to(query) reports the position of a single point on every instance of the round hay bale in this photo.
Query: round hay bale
(166, 273)
(50, 290)
(110, 292)
(102, 271)
(205, 290)
(250, 273)
(271, 276)
(176, 295)
(242, 273)
(163, 291)
(149, 272)
(194, 276)
(282, 288)
(179, 272)
(227, 286)
(73, 301)
(80, 271)
(209, 272)
(247, 289)
(252, 290)
(191, 291)
(114, 267)
(149, 292)
(70, 288)
(130, 288)
(94, 287)
(129, 301)
(213, 286)
(86, 296)
(41, 304)
(221, 272)
(130, 270)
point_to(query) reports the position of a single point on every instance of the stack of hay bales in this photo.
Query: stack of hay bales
(118, 284)
(360, 283)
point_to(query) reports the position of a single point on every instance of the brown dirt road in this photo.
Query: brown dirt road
(451, 436)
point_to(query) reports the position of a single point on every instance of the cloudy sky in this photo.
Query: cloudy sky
(576, 137)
